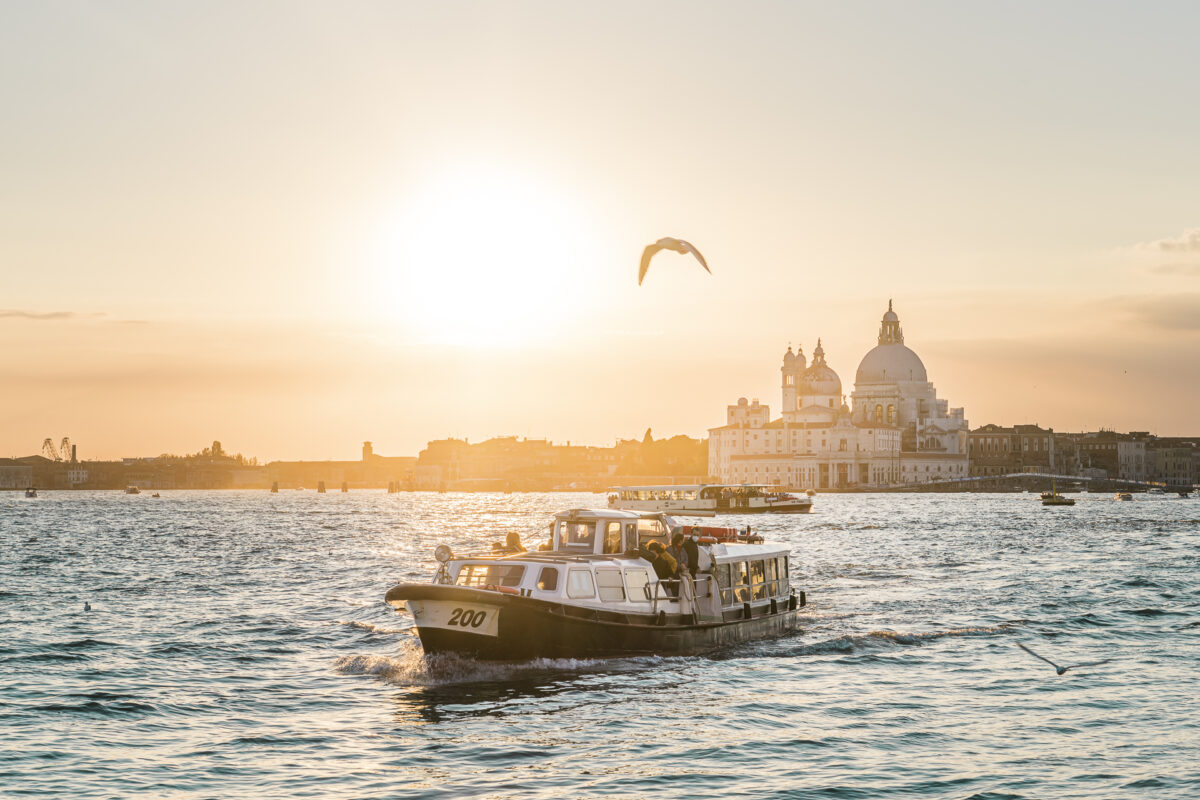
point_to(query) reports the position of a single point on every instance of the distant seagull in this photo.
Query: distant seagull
(1057, 668)
(669, 243)
(87, 606)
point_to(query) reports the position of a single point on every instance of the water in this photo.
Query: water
(238, 646)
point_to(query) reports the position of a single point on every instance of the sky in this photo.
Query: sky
(296, 226)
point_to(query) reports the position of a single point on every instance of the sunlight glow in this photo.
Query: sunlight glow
(480, 258)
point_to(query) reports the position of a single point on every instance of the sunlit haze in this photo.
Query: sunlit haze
(297, 226)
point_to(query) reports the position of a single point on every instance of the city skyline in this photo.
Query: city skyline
(295, 229)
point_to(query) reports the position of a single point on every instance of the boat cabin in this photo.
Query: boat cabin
(592, 560)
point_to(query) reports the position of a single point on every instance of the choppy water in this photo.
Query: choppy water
(238, 646)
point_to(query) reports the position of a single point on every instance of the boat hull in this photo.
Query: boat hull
(522, 628)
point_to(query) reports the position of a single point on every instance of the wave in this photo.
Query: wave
(93, 707)
(370, 628)
(851, 643)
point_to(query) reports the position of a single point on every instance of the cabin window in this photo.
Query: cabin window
(784, 580)
(651, 530)
(772, 576)
(548, 579)
(490, 575)
(637, 582)
(741, 575)
(576, 535)
(610, 585)
(723, 572)
(758, 579)
(631, 536)
(612, 538)
(580, 584)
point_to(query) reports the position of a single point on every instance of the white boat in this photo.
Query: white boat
(710, 498)
(594, 592)
(131, 489)
(31, 492)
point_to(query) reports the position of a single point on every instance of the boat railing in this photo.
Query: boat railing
(684, 590)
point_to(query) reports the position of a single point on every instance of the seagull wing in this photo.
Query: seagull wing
(1035, 655)
(648, 254)
(1090, 664)
(692, 249)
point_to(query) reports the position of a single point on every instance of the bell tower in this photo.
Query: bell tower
(793, 365)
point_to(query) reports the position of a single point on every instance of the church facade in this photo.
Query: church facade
(894, 431)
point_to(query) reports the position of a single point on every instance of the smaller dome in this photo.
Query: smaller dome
(819, 379)
(889, 315)
(789, 357)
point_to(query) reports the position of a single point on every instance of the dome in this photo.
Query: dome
(819, 378)
(889, 315)
(789, 357)
(889, 363)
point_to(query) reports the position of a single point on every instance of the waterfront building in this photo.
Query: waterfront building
(897, 431)
(15, 475)
(996, 450)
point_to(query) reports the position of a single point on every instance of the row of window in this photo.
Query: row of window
(739, 581)
(743, 581)
(616, 537)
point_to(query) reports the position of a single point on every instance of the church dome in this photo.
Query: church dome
(890, 361)
(819, 378)
(789, 357)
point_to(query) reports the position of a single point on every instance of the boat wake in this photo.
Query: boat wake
(370, 628)
(413, 667)
(863, 642)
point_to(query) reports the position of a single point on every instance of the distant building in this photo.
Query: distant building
(898, 431)
(15, 475)
(996, 450)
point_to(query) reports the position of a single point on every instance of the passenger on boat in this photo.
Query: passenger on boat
(665, 566)
(512, 544)
(680, 554)
(692, 549)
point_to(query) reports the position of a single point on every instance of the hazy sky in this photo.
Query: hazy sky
(295, 226)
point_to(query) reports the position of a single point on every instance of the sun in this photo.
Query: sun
(482, 258)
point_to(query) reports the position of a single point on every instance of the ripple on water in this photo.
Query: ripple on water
(242, 648)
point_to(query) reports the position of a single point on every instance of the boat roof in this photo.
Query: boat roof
(677, 486)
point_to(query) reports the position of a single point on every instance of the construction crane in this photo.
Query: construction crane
(63, 453)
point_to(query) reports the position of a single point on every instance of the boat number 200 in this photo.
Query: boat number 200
(467, 618)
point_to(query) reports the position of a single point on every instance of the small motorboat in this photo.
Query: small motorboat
(1123, 496)
(31, 492)
(156, 494)
(131, 489)
(1053, 498)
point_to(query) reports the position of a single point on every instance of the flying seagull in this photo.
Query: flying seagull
(669, 243)
(1057, 668)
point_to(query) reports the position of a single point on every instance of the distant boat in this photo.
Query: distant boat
(1155, 490)
(1123, 496)
(1053, 498)
(1184, 493)
(131, 489)
(31, 492)
(709, 498)
(156, 494)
